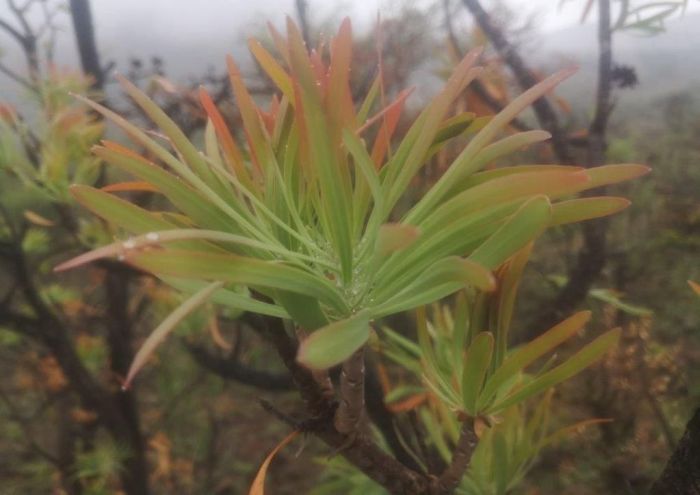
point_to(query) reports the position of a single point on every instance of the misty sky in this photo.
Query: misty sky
(202, 32)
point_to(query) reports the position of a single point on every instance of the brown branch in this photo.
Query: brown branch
(681, 476)
(229, 368)
(461, 458)
(352, 393)
(359, 450)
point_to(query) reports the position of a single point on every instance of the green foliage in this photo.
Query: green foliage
(60, 136)
(307, 214)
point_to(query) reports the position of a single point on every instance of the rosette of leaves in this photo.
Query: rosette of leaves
(467, 372)
(295, 214)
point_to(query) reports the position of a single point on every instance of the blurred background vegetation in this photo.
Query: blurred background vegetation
(193, 424)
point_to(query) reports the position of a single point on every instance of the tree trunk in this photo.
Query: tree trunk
(85, 38)
(681, 476)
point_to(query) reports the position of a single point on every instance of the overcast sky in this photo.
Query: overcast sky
(202, 32)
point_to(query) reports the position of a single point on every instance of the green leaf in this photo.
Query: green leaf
(505, 147)
(413, 149)
(501, 190)
(240, 301)
(441, 279)
(334, 343)
(575, 364)
(527, 354)
(184, 198)
(465, 163)
(476, 364)
(395, 237)
(239, 270)
(115, 210)
(578, 210)
(178, 138)
(304, 310)
(524, 226)
(612, 298)
(167, 326)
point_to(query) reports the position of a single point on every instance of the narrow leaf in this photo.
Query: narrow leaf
(476, 364)
(524, 226)
(167, 326)
(237, 269)
(575, 364)
(578, 210)
(521, 358)
(258, 486)
(395, 237)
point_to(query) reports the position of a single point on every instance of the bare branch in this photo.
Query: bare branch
(231, 369)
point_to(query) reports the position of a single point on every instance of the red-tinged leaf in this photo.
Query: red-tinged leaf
(258, 486)
(161, 237)
(228, 143)
(339, 98)
(578, 210)
(319, 71)
(395, 237)
(408, 404)
(509, 277)
(260, 148)
(390, 119)
(130, 186)
(168, 325)
(382, 114)
(552, 183)
(334, 343)
(326, 162)
(499, 172)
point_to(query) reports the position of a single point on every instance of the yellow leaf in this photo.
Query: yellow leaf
(695, 286)
(37, 219)
(258, 486)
